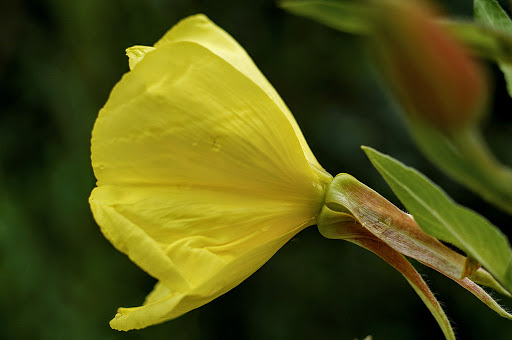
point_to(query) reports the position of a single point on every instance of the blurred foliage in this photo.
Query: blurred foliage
(60, 279)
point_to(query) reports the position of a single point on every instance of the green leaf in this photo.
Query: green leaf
(481, 39)
(342, 16)
(466, 158)
(438, 215)
(491, 14)
(355, 17)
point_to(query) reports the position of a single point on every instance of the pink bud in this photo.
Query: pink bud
(432, 74)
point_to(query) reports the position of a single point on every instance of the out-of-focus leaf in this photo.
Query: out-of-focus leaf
(343, 16)
(438, 215)
(355, 18)
(482, 40)
(465, 157)
(490, 13)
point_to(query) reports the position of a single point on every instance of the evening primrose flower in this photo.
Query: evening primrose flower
(202, 172)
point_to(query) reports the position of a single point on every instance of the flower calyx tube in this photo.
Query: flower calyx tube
(356, 213)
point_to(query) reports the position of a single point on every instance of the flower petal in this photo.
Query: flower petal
(202, 176)
(199, 29)
(183, 235)
(164, 304)
(185, 116)
(136, 54)
(197, 242)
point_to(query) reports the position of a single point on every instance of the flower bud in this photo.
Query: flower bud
(432, 75)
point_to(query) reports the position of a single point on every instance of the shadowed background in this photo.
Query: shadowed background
(60, 279)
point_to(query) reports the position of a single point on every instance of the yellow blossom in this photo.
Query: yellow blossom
(202, 172)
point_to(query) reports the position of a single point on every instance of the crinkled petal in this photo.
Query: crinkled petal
(164, 304)
(197, 242)
(183, 235)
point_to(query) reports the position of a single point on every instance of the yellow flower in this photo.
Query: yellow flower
(202, 172)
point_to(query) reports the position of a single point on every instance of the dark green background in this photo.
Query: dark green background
(60, 279)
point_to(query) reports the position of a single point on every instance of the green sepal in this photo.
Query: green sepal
(439, 216)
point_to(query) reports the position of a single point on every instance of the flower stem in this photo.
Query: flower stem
(493, 180)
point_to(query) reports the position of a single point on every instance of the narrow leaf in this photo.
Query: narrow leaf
(468, 160)
(438, 215)
(490, 13)
(482, 295)
(481, 39)
(342, 16)
(355, 17)
(401, 264)
(341, 226)
(482, 277)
